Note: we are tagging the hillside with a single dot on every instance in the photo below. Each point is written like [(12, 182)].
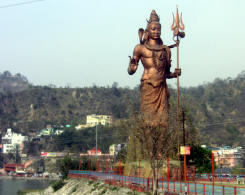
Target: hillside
[(33, 108), (216, 109)]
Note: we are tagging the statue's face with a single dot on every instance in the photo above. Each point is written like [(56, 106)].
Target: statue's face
[(154, 30)]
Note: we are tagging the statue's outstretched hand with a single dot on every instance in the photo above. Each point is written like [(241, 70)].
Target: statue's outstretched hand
[(132, 65), (131, 60)]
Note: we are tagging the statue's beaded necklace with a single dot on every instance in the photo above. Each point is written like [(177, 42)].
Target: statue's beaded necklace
[(157, 59)]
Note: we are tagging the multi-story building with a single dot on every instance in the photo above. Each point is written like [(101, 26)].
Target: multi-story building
[(228, 157), (11, 141), (93, 120)]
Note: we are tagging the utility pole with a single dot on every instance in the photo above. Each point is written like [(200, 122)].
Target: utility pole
[(183, 120), (17, 156), (96, 138), (184, 144)]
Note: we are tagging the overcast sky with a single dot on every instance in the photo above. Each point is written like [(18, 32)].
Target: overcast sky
[(82, 43)]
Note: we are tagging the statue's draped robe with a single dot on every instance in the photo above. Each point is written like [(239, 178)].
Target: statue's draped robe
[(154, 104)]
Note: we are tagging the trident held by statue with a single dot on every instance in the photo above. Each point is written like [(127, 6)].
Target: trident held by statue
[(176, 26)]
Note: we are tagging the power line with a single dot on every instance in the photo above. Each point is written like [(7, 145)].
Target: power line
[(229, 121), (20, 4), (85, 137)]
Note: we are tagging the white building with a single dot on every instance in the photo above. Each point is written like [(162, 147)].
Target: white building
[(11, 140), (94, 119)]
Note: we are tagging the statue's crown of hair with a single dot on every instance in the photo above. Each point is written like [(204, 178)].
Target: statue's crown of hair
[(154, 17)]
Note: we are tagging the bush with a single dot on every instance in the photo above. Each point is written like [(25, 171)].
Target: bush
[(66, 164), (57, 185), (20, 192)]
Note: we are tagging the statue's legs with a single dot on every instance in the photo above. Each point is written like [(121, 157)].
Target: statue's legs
[(155, 112), (154, 104)]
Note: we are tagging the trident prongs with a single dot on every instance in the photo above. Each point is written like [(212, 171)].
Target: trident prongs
[(172, 26), (177, 24)]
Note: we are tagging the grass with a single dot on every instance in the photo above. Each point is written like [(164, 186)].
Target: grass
[(90, 182), (132, 193), (114, 188), (74, 189), (100, 187), (95, 187), (103, 191)]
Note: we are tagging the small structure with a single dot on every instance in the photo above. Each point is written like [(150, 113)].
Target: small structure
[(58, 132), (13, 167), (112, 149), (52, 154), (50, 131), (240, 180), (45, 132), (93, 151), (115, 148)]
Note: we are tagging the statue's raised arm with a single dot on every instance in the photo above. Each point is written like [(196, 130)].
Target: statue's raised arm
[(133, 61)]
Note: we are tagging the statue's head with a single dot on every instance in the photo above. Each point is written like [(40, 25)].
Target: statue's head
[(153, 29)]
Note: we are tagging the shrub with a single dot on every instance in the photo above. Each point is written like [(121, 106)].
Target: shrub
[(57, 185)]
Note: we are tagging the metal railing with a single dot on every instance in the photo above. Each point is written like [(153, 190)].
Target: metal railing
[(145, 184)]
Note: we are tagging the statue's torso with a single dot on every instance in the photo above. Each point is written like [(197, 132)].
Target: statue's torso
[(154, 62)]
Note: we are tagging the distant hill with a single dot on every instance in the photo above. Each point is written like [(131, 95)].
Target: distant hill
[(217, 109)]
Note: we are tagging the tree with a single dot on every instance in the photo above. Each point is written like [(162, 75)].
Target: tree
[(122, 155), (67, 164), (157, 143), (6, 74), (201, 158), (32, 148), (17, 155)]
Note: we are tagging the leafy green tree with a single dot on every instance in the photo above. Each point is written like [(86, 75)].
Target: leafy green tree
[(201, 158), (122, 155)]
